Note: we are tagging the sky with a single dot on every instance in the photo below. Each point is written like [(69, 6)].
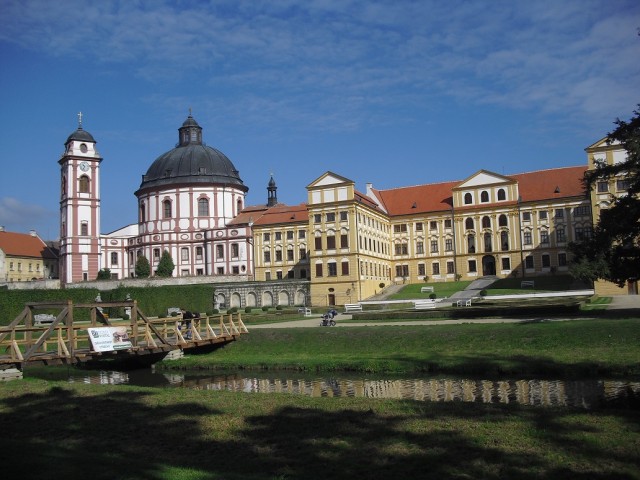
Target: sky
[(393, 93)]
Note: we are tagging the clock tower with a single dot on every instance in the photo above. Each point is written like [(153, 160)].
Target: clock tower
[(79, 208)]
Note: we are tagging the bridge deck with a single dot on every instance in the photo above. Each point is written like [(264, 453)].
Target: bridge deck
[(65, 341)]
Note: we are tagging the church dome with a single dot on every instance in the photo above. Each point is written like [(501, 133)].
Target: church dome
[(191, 162), (80, 135)]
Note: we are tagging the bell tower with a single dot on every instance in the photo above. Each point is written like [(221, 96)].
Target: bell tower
[(79, 207)]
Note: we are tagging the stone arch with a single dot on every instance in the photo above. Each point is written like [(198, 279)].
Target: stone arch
[(221, 300), (283, 298), (252, 300), (300, 298), (267, 299), (236, 300)]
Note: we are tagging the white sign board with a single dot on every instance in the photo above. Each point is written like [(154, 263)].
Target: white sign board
[(107, 339)]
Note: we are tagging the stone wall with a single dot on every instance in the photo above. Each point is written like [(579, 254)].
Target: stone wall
[(259, 294)]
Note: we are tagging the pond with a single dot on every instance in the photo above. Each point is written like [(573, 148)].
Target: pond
[(588, 394)]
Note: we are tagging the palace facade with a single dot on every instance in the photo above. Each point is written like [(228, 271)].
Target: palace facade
[(345, 245)]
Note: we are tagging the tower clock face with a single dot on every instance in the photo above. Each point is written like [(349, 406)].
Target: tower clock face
[(84, 166)]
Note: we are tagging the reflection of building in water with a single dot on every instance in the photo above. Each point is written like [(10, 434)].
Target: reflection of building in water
[(583, 394)]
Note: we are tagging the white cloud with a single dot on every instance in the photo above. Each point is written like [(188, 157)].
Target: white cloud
[(17, 216)]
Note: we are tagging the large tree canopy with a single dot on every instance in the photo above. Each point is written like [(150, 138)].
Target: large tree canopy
[(613, 252)]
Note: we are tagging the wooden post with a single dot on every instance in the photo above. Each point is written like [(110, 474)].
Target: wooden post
[(134, 323), (71, 337)]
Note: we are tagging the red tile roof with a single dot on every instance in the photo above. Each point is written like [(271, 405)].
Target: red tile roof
[(533, 186), (278, 214), (23, 245)]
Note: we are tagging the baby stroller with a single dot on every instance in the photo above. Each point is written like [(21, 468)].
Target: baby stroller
[(328, 319)]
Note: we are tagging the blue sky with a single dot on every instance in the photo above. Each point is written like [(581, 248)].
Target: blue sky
[(395, 93)]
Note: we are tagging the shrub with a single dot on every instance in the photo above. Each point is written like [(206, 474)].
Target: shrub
[(214, 311), (232, 310), (143, 269), (247, 309), (278, 307), (483, 293), (265, 308), (432, 296), (381, 285), (104, 274)]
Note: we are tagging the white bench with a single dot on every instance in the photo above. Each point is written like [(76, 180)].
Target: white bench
[(527, 284), (426, 289), (352, 307), (424, 304), (306, 311), (43, 319), (466, 303)]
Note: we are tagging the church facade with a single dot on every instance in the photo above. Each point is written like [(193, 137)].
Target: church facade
[(344, 244)]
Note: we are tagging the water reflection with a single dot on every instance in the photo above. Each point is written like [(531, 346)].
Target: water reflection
[(574, 393)]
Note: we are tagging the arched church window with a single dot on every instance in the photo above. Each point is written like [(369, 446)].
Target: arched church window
[(166, 209), (83, 186), (486, 222), (502, 194), (84, 229), (468, 199), (143, 212), (468, 224), (484, 196), (239, 206), (502, 220), (203, 207)]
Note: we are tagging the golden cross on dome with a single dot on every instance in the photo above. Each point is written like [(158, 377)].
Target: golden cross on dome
[(79, 119)]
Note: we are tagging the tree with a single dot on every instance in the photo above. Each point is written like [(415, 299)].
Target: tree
[(104, 274), (143, 269), (166, 265), (613, 252)]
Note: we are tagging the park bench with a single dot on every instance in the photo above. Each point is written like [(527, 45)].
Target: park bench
[(43, 319), (527, 284), (424, 304), (304, 310), (352, 307), (426, 289), (465, 303)]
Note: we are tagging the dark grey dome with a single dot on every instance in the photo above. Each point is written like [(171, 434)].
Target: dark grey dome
[(80, 135), (191, 162)]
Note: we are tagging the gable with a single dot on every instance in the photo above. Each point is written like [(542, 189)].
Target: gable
[(483, 178), (329, 179)]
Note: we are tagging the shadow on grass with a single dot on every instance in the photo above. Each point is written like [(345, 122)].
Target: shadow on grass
[(131, 434)]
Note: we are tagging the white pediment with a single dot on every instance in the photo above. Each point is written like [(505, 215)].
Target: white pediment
[(329, 179), (484, 178)]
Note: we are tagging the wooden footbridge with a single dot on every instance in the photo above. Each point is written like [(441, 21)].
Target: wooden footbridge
[(65, 340)]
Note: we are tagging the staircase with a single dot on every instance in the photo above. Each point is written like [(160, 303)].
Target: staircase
[(386, 293)]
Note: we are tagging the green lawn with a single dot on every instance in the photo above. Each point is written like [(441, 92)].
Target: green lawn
[(441, 289)]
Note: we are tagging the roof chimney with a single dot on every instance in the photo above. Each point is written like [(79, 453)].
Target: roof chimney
[(33, 233), (1, 228)]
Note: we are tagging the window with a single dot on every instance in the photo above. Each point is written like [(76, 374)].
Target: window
[(447, 223), (344, 216), (235, 250), (472, 266), (332, 269), (448, 244), (143, 212), (504, 241), (526, 216), (156, 254), (318, 269), (419, 248), (528, 262), (471, 244), (433, 225), (484, 197), (488, 247), (450, 267), (317, 218), (289, 234), (220, 252), (502, 221), (302, 234), (544, 236), (546, 261), (402, 270), (344, 241), (468, 224), (184, 254), (278, 255), (267, 256), (542, 215), (562, 259), (581, 211), (84, 229), (199, 254), (303, 273), (203, 207), (560, 236), (506, 263), (290, 254), (486, 222), (166, 209), (527, 237), (603, 187), (579, 233), (266, 237), (11, 266), (401, 249), (303, 253), (421, 269), (468, 199), (435, 268), (83, 184), (318, 243), (502, 194), (401, 228), (434, 246), (291, 274), (278, 236), (331, 217), (622, 185), (559, 213), (279, 274), (331, 242), (267, 276), (345, 267), (418, 226)]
